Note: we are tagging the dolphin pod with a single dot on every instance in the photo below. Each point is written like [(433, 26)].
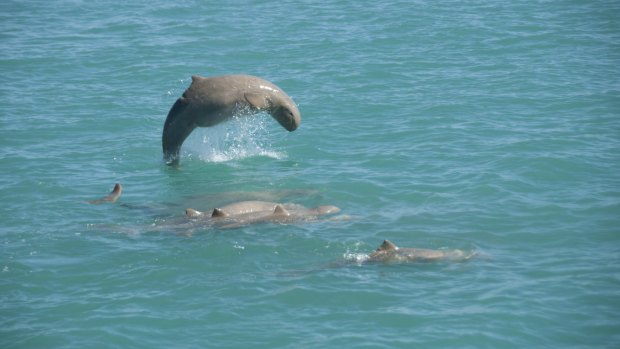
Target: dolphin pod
[(242, 213), (213, 100), (112, 197), (210, 101)]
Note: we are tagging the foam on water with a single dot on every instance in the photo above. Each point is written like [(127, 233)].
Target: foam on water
[(239, 138), (356, 258)]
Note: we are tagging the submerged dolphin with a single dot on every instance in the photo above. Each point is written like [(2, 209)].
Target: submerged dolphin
[(390, 253), (210, 101), (252, 212)]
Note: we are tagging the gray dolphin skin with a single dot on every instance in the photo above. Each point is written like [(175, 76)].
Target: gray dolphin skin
[(211, 100), (252, 212), (112, 197), (388, 252)]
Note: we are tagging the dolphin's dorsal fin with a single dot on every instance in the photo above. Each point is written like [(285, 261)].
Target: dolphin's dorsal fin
[(196, 78), (116, 192), (279, 210), (191, 213), (217, 212), (112, 197), (257, 100), (387, 245)]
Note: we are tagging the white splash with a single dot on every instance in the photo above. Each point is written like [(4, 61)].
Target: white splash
[(239, 138), (357, 258)]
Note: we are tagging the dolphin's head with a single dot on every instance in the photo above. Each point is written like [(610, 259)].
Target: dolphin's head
[(284, 110), (191, 213), (328, 209)]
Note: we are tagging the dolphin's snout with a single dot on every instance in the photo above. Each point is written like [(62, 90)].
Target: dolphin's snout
[(328, 209), (191, 213), (292, 125), (288, 118), (296, 122)]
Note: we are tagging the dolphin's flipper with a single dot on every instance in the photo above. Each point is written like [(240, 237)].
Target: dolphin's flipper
[(257, 100), (112, 197)]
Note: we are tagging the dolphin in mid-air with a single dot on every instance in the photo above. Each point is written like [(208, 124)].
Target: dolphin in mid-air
[(210, 101)]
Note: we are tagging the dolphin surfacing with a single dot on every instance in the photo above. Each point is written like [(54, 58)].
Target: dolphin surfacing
[(252, 212), (210, 101), (112, 197), (388, 252), (238, 214)]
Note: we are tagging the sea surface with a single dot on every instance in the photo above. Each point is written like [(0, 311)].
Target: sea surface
[(485, 126)]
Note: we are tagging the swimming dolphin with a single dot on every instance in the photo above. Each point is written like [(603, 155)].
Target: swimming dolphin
[(388, 252), (210, 101), (252, 212), (112, 197)]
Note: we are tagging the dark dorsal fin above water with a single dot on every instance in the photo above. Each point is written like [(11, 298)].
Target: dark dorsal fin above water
[(281, 211), (387, 245), (218, 213), (112, 197)]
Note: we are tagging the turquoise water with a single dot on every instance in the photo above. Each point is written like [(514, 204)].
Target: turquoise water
[(486, 126)]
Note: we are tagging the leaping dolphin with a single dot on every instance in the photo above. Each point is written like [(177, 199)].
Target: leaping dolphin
[(210, 101)]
